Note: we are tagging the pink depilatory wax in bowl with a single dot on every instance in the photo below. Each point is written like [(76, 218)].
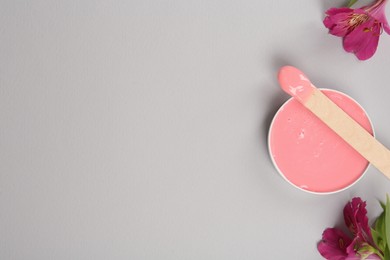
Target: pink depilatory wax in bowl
[(308, 154)]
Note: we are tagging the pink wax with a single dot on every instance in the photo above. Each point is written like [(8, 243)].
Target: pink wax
[(310, 155)]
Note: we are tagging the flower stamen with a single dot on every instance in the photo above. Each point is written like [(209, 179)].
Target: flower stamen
[(356, 20), (341, 243)]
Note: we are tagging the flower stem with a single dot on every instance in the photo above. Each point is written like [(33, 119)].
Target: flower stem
[(351, 3)]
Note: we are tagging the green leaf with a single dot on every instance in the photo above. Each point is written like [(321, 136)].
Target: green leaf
[(351, 3), (383, 205), (387, 254), (378, 239), (380, 231), (376, 236), (387, 220)]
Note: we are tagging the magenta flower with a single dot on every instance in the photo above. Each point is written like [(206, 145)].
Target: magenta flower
[(336, 245), (360, 27), (355, 218)]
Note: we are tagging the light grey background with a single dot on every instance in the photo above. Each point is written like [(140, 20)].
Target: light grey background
[(137, 129)]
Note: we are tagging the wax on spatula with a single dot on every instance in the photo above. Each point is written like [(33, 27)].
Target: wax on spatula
[(296, 84)]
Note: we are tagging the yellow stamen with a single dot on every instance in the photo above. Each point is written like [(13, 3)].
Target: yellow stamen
[(341, 243)]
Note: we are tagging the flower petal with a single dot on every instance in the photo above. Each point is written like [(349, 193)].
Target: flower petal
[(378, 13), (363, 41), (333, 244), (333, 10), (355, 213), (337, 21), (386, 27), (377, 10)]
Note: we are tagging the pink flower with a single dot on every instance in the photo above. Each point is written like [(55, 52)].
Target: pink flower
[(355, 218), (360, 28), (336, 245)]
